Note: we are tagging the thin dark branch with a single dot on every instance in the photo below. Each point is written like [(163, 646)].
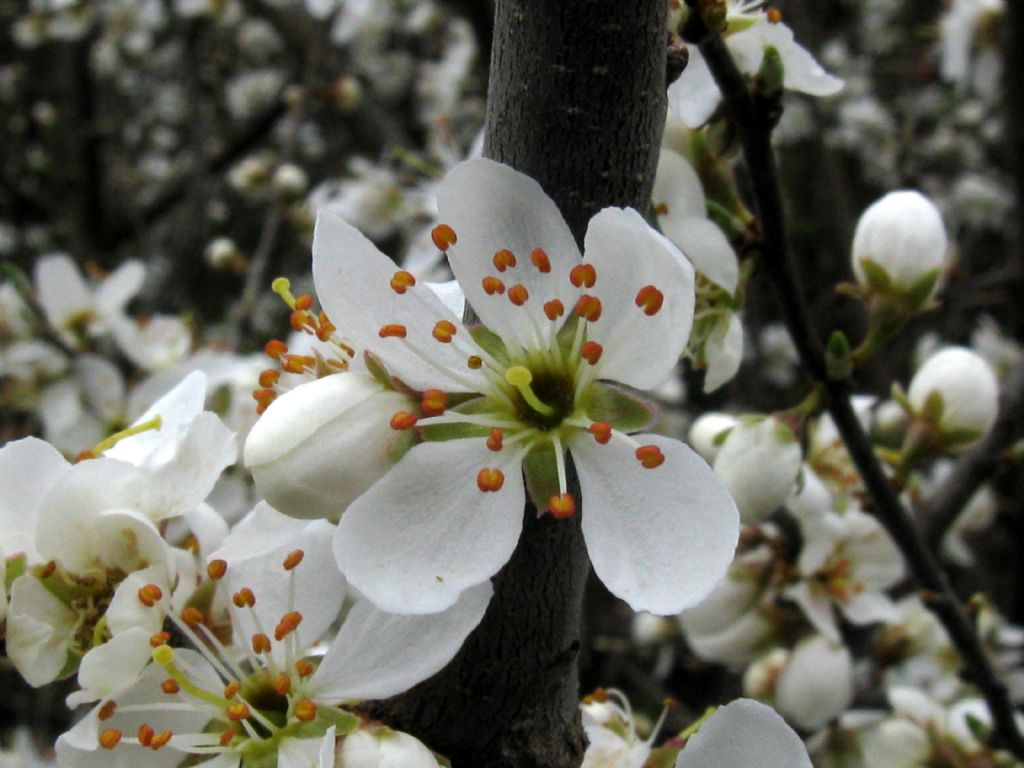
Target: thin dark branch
[(975, 467), (754, 118)]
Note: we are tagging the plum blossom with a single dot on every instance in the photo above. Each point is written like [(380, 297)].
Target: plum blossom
[(519, 392), (749, 30)]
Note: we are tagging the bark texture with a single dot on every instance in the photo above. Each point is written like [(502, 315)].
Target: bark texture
[(577, 101)]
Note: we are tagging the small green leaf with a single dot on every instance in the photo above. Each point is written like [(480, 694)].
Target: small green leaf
[(490, 341), (622, 410), (838, 362)]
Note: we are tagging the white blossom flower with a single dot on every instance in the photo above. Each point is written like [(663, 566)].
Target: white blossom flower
[(612, 740), (382, 748), (526, 387), (758, 462), (816, 684), (744, 734), (749, 31)]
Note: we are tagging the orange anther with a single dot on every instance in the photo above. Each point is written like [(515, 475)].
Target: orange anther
[(495, 439), (562, 506), (244, 598), (493, 285), (404, 420), (392, 330), (305, 710), (554, 309), (145, 735), (170, 686), (434, 402), (149, 594), (490, 480), (288, 624), (504, 259), (227, 737), (299, 319), (583, 276), (518, 294), (774, 15), (159, 638), (268, 378), (293, 559), (474, 362), (237, 711), (649, 299), (275, 348), (283, 685), (444, 331), (591, 352), (602, 431), (231, 689), (443, 236), (192, 616), (264, 397), (260, 643), (304, 302), (48, 569), (110, 738), (540, 260), (589, 308), (107, 710), (304, 668), (216, 569), (298, 363), (402, 281), (650, 456), (160, 740)]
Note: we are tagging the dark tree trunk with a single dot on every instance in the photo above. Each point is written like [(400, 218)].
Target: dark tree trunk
[(577, 101)]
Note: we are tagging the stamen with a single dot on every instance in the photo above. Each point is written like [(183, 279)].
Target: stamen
[(304, 668), (304, 302), (649, 299), (238, 711), (650, 456), (260, 643), (444, 331), (192, 616), (518, 294), (434, 402), (159, 638), (554, 309), (305, 710), (283, 685), (216, 569), (583, 276), (602, 431), (269, 378), (443, 236), (591, 352), (402, 281), (474, 362), (540, 260), (110, 738), (288, 624), (170, 686), (589, 308), (562, 506), (774, 15), (504, 259), (149, 594), (244, 598), (392, 330), (275, 348), (493, 285), (164, 656), (494, 440), (520, 378), (231, 689), (107, 710), (404, 420), (227, 737), (160, 740), (145, 734), (293, 559), (490, 480)]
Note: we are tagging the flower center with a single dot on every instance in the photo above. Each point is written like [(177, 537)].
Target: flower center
[(543, 399)]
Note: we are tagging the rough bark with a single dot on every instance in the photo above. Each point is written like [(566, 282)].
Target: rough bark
[(577, 101)]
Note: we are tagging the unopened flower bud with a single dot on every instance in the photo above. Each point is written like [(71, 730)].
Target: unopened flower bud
[(899, 247), (956, 390), (289, 180), (708, 432), (382, 748), (758, 463)]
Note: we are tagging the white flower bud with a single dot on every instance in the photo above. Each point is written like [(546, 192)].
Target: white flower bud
[(221, 253), (758, 464), (761, 677), (966, 387), (705, 431), (320, 445), (817, 683), (289, 180), (382, 749), (902, 237)]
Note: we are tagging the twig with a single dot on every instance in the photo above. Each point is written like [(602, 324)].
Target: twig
[(754, 118), (975, 467)]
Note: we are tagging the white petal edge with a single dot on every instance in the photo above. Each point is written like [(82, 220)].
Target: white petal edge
[(744, 734)]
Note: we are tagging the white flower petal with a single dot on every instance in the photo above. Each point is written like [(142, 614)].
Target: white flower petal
[(723, 352), (120, 287), (817, 683), (493, 207), (426, 532), (108, 669), (817, 608), (353, 282), (378, 654), (307, 753), (628, 255), (658, 538), (61, 290), (694, 96), (744, 734), (39, 631), (678, 193), (29, 468)]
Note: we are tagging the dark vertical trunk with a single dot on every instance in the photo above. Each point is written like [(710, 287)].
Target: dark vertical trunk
[(577, 101)]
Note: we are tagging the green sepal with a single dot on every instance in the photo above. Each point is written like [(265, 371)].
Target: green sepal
[(541, 474), (13, 568), (877, 277), (957, 438), (490, 342), (838, 362), (981, 732), (442, 432), (917, 295), (344, 723), (663, 757), (624, 411), (401, 446), (771, 75), (719, 439), (377, 370), (933, 407)]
